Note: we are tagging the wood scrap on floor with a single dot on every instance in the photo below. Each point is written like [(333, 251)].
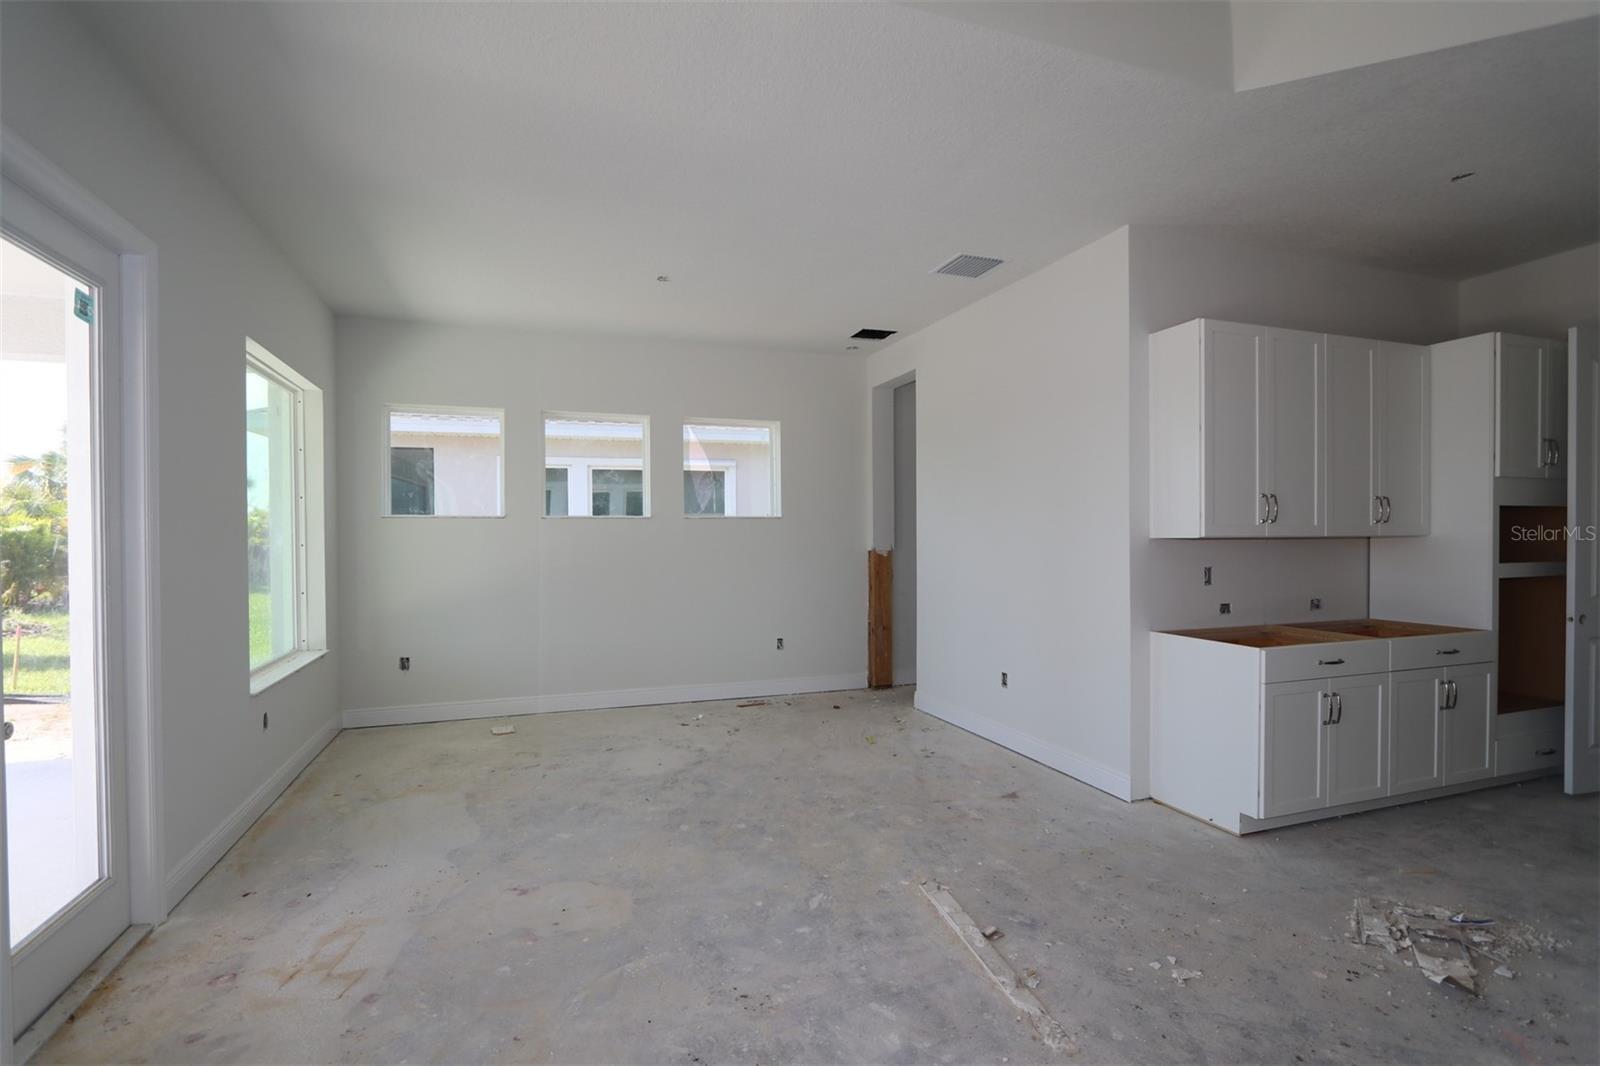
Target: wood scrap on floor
[(502, 730), (1017, 991)]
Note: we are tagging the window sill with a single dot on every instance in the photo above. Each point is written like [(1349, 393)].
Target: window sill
[(273, 672)]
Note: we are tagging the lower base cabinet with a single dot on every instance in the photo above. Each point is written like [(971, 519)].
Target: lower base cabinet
[(1232, 747)]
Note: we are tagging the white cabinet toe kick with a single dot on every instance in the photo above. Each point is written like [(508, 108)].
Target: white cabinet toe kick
[(1254, 728)]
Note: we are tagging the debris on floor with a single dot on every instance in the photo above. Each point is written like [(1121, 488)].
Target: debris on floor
[(1183, 976), (992, 933), (1447, 946), (1018, 991), (753, 703), (502, 730)]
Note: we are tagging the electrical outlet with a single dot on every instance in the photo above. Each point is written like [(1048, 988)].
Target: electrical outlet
[(1226, 608), (1208, 576), (405, 662), (1005, 679), (1316, 603), (780, 643)]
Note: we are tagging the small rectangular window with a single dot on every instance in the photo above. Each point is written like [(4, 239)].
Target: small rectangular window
[(730, 469), (446, 461), (596, 466)]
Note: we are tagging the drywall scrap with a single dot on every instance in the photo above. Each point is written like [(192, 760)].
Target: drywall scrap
[(1448, 946), (1020, 994)]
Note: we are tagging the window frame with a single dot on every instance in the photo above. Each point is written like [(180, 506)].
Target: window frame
[(309, 520), (729, 468), (775, 426), (386, 501), (588, 465)]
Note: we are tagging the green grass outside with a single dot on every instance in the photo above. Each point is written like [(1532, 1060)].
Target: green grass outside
[(260, 628), (44, 668)]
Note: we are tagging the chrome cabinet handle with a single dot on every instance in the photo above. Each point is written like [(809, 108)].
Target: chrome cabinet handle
[(1555, 452), (1330, 662), (1328, 719), (1547, 751), (1377, 511), (1444, 695), (1264, 512), (1454, 695), (1338, 704), (1274, 497), (1448, 651), (1388, 510)]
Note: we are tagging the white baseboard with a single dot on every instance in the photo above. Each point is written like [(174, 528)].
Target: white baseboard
[(1070, 763), (412, 714), (210, 851)]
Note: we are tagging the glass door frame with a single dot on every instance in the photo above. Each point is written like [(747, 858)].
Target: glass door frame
[(42, 201)]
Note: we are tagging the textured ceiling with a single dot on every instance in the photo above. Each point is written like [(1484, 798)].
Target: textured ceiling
[(798, 169)]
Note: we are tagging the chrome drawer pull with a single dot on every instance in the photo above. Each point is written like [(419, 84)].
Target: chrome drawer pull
[(1330, 662), (1448, 651), (1547, 751)]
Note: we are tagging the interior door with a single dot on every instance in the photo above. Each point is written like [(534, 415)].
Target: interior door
[(1358, 739), (1293, 764), (1233, 377), (1403, 441), (66, 840), (1468, 732), (1519, 402), (1292, 432), (1353, 447), (1416, 742), (1583, 573)]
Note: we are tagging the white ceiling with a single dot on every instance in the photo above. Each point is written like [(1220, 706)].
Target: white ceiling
[(798, 169)]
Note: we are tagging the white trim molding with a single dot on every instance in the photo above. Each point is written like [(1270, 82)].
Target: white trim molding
[(411, 714), (1092, 773), (206, 854)]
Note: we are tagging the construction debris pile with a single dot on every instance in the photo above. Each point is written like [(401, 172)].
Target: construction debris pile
[(1447, 946)]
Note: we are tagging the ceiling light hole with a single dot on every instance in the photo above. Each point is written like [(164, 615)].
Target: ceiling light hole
[(873, 334)]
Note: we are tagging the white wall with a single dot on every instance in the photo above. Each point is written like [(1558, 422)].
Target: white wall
[(903, 612), (219, 280), (1180, 274), (1540, 298), (1022, 513), (552, 613)]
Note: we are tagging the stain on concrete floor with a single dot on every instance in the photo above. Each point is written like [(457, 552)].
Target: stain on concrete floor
[(714, 883)]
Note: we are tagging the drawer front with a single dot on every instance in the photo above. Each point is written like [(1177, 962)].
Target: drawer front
[(1446, 649), (1529, 751), (1335, 659)]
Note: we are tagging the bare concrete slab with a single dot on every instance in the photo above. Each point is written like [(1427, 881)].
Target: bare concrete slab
[(716, 883)]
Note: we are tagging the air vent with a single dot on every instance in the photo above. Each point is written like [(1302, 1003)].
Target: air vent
[(969, 266), (873, 334)]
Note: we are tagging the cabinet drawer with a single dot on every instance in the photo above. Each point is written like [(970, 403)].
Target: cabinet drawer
[(1529, 751), (1442, 649), (1334, 659)]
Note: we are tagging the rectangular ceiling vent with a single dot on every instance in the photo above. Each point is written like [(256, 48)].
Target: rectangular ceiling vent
[(969, 266), (873, 334)]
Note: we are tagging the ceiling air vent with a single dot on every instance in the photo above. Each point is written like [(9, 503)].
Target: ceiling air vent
[(969, 266), (873, 334)]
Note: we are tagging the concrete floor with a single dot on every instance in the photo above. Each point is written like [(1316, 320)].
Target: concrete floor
[(711, 883)]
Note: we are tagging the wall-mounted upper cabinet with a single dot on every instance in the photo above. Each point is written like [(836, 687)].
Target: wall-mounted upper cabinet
[(1262, 432), (1378, 429), (1530, 406)]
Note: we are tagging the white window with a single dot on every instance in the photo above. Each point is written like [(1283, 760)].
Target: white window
[(285, 548), (445, 461), (730, 469), (596, 466)]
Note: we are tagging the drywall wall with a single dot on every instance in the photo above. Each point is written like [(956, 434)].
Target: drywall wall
[(218, 281), (1541, 298), (1179, 274), (526, 613), (1022, 513), (1278, 42), (904, 611)]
